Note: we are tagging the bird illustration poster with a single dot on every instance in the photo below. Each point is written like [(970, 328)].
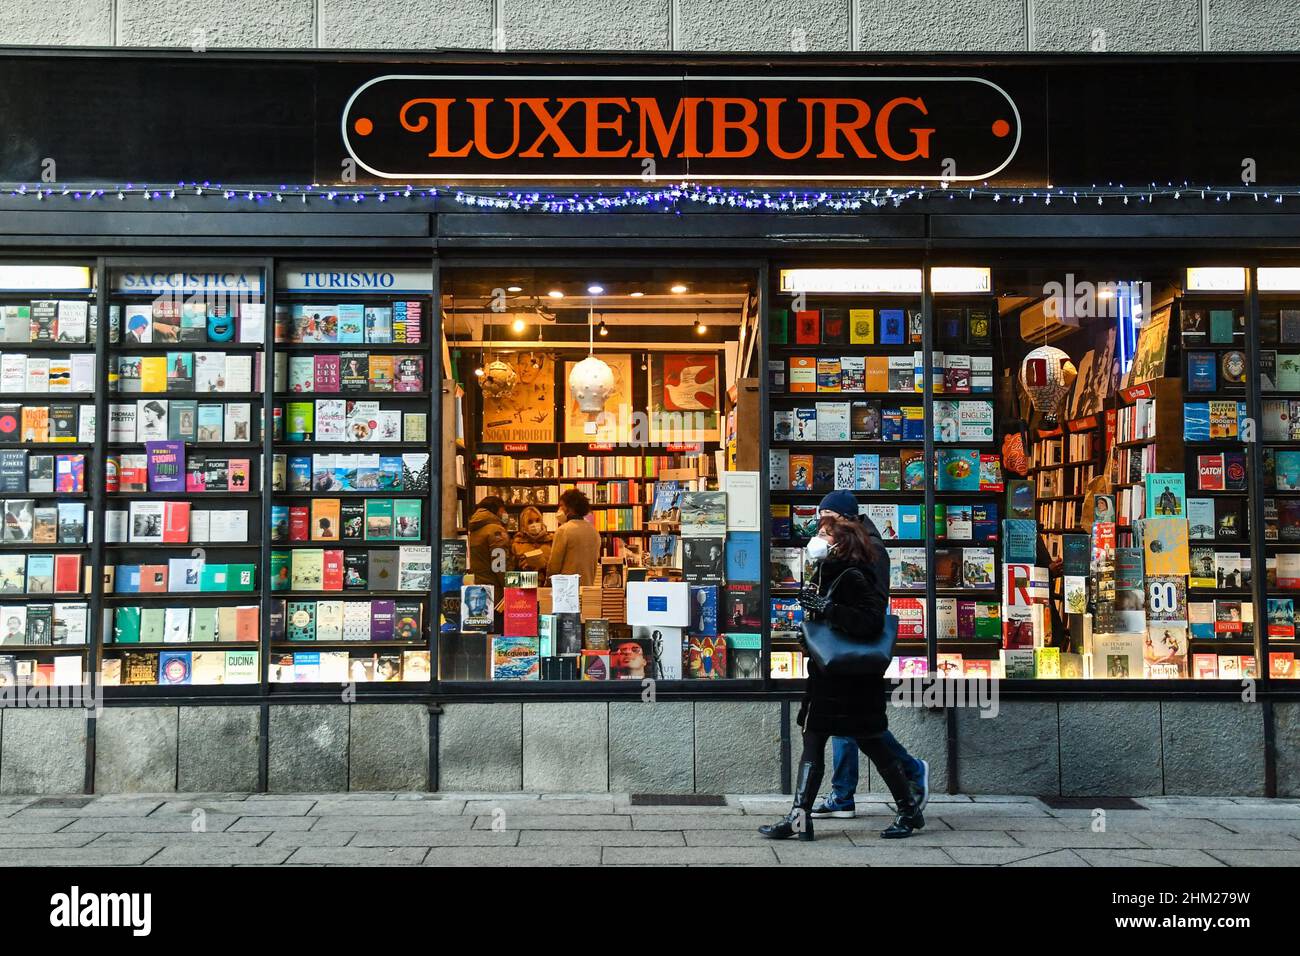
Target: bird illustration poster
[(526, 413), (684, 397), (615, 422)]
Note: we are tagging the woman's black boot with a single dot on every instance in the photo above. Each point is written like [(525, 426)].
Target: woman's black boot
[(909, 789), (799, 820)]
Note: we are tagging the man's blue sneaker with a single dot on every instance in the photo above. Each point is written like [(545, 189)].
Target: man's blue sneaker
[(830, 807)]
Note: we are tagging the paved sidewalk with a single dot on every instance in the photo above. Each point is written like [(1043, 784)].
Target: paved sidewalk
[(459, 829)]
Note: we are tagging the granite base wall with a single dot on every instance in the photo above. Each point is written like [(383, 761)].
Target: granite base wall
[(1069, 748)]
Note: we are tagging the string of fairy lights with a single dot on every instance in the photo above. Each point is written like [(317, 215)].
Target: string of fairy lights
[(675, 198)]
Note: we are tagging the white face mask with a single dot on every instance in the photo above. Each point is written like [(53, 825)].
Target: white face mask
[(818, 548)]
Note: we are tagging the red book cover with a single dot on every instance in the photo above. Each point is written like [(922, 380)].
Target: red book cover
[(520, 612), (326, 377), (332, 571), (111, 483), (246, 623), (153, 578), (195, 476), (1209, 473), (176, 522), (237, 477), (67, 573), (1281, 664), (299, 523), (807, 327), (410, 375), (132, 476)]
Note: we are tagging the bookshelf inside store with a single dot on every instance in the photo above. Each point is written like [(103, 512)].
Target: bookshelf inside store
[(352, 493), (49, 324)]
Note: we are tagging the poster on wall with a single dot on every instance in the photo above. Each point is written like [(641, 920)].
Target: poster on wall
[(684, 397), (1149, 362), (614, 423), (1094, 381), (527, 412)]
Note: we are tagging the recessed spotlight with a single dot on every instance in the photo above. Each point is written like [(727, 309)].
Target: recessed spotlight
[(556, 294), (519, 325), (600, 329), (679, 288), (595, 288), (637, 295), (514, 288)]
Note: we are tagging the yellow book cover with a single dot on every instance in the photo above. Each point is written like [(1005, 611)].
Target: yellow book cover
[(153, 373), (877, 373), (862, 326), (1164, 541)]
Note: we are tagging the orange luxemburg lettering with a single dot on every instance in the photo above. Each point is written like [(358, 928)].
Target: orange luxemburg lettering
[(722, 125), (835, 126), (653, 119), (595, 124), (772, 107), (550, 127), (441, 108), (883, 139), (481, 104)]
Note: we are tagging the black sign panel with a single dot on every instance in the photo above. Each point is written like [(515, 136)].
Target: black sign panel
[(834, 128)]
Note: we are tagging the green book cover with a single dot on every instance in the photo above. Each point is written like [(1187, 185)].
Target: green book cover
[(988, 620), (126, 625), (406, 519), (379, 519), (212, 577), (203, 625), (280, 561), (301, 617), (240, 577), (299, 418), (1222, 325), (153, 624), (182, 420), (778, 327)]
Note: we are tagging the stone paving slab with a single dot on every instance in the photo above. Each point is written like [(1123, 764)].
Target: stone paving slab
[(586, 829)]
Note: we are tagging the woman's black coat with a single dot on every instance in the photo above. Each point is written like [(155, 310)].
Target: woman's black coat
[(851, 706)]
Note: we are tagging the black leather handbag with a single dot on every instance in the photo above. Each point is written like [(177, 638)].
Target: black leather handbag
[(835, 652)]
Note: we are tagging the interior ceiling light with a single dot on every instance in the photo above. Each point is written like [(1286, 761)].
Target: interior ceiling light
[(679, 288), (699, 326), (519, 325), (556, 294), (601, 330), (637, 295), (595, 288), (514, 288)]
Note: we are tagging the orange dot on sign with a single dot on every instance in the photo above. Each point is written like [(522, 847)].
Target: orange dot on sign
[(365, 127), (1001, 128)]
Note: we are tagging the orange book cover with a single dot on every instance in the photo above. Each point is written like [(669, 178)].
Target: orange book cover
[(877, 373), (246, 623), (325, 519), (153, 578), (803, 373)]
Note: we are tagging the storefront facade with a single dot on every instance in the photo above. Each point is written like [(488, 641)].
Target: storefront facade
[(477, 224)]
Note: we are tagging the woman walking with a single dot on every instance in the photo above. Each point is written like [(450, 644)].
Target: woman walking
[(851, 706)]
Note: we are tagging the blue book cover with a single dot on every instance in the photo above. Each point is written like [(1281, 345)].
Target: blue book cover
[(299, 474), (279, 522), (913, 426), (390, 473), (891, 424), (893, 326), (786, 614), (352, 323), (909, 522), (704, 609), (126, 579), (1286, 470), (744, 556), (1020, 540), (1196, 421), (959, 469), (174, 667), (1202, 373), (984, 521), (781, 524)]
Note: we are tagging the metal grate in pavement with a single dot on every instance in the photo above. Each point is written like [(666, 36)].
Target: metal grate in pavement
[(678, 800), (60, 803), (1092, 803)]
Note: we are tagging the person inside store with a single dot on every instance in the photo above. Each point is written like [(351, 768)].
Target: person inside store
[(851, 706), (530, 549), (489, 545), (576, 548)]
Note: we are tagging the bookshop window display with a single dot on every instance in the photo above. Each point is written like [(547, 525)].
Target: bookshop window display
[(1094, 479), (601, 520)]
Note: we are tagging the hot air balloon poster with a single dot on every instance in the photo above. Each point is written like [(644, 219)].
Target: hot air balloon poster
[(684, 397)]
